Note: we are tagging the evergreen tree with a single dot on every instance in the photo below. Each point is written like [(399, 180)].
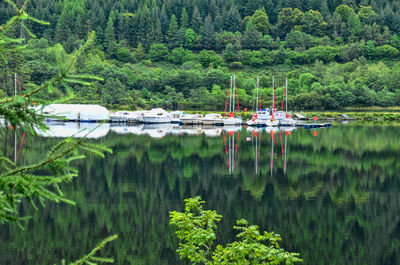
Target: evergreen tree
[(171, 34), (207, 34), (233, 20), (109, 34), (252, 37), (164, 21), (184, 19), (196, 20)]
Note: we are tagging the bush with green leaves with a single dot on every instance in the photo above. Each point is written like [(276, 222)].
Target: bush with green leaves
[(195, 227)]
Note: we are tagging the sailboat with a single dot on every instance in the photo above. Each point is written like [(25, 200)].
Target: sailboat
[(282, 117), (231, 120), (262, 117)]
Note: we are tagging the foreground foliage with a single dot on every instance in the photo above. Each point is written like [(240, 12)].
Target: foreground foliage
[(38, 182), (196, 229)]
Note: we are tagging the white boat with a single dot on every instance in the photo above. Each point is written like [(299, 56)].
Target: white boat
[(176, 116), (192, 119), (213, 119), (231, 120), (157, 115), (75, 112), (126, 116)]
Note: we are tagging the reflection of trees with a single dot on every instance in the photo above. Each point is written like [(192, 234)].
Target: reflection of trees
[(337, 204)]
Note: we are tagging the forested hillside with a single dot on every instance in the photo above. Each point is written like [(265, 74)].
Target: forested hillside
[(180, 53)]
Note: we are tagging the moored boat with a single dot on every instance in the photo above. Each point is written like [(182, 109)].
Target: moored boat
[(213, 119), (192, 119), (157, 115), (126, 116)]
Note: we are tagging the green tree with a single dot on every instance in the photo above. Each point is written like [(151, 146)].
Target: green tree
[(158, 52), (184, 19), (252, 37), (196, 230), (196, 20), (207, 34), (314, 23), (366, 12), (172, 30), (190, 38), (109, 34), (261, 21), (344, 11)]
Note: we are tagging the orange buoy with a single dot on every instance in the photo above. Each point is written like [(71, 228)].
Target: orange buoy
[(315, 133)]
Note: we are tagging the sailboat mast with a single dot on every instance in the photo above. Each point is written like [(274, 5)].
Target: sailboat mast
[(233, 93), (230, 100), (273, 94), (258, 88), (286, 94)]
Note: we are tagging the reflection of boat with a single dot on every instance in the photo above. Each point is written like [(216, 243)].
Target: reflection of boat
[(137, 129), (213, 119), (232, 129), (231, 120), (191, 130), (212, 132), (126, 116), (192, 119), (157, 130), (157, 116), (77, 130)]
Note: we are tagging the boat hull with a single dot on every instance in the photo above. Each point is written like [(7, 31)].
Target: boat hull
[(232, 122), (153, 120), (191, 121)]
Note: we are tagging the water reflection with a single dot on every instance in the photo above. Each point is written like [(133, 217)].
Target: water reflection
[(335, 198)]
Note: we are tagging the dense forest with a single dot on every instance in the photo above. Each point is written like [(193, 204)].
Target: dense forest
[(179, 54)]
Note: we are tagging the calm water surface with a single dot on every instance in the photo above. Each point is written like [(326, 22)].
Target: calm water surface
[(334, 197)]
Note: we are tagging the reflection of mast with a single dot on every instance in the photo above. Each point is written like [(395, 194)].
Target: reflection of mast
[(284, 164), (15, 129), (255, 142), (231, 150), (272, 150)]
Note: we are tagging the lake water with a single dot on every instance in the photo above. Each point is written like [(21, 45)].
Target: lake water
[(333, 197)]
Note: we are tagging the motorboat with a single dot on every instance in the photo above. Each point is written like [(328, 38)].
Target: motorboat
[(232, 121), (213, 119), (127, 116), (192, 119), (157, 115), (176, 116)]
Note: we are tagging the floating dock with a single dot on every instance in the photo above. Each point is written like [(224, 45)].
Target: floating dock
[(314, 126)]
